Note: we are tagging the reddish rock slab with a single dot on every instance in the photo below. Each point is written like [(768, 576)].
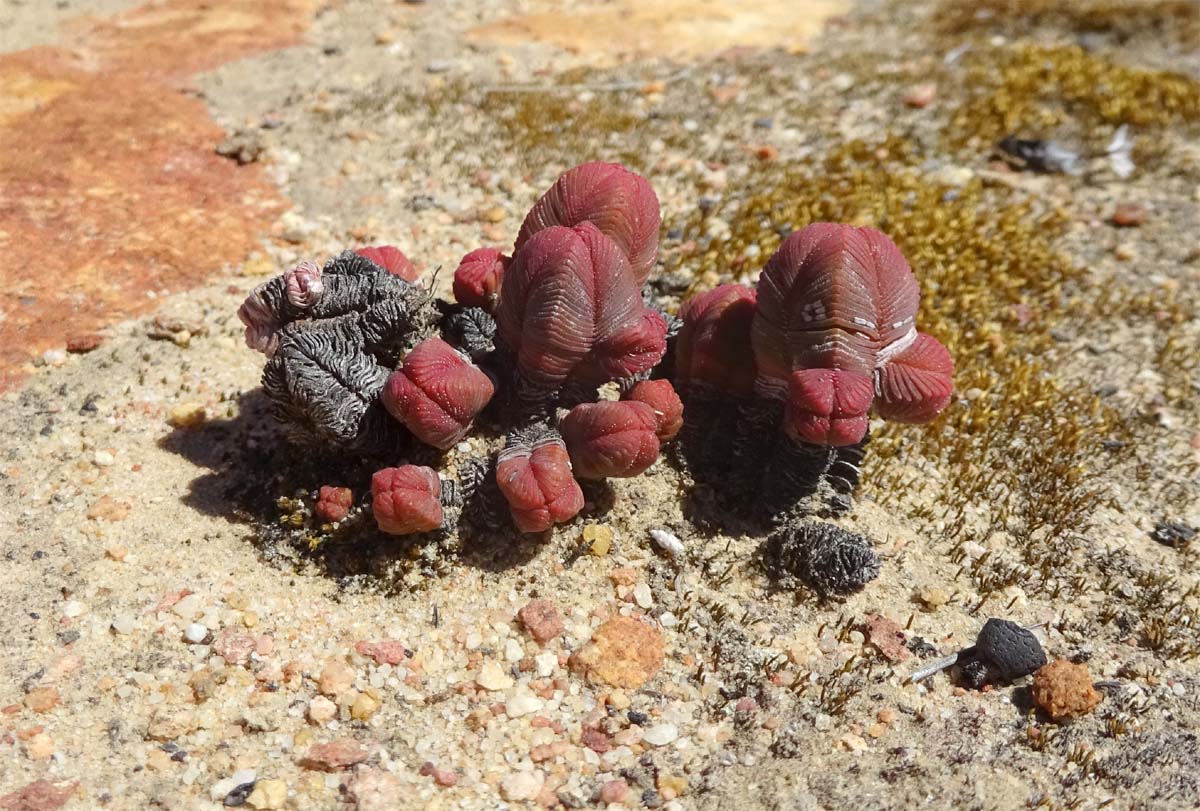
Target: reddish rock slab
[(110, 185)]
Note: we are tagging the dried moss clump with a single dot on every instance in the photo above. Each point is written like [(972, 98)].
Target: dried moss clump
[(1173, 20), (1064, 91), (1017, 453)]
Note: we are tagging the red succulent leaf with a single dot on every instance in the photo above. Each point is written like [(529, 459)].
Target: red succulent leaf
[(831, 297), (477, 280), (538, 485), (713, 347), (570, 307), (617, 201), (406, 499), (661, 397), (392, 260), (915, 383), (333, 503), (610, 438), (828, 406), (436, 393)]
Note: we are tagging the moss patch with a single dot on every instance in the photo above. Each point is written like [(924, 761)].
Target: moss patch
[(1063, 91), (1175, 20)]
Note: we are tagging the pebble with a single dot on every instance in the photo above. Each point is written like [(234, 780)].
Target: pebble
[(73, 609), (933, 597), (546, 663), (492, 677), (614, 791), (661, 734), (623, 652), (42, 699), (642, 596), (1129, 215), (667, 542), (81, 344), (124, 624), (519, 786), (364, 706), (268, 794), (599, 539), (195, 633), (336, 678), (438, 66), (335, 756), (220, 789), (187, 415), (54, 357), (921, 95), (523, 703), (103, 459), (541, 620), (321, 710)]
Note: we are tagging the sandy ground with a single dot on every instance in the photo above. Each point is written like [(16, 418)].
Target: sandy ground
[(160, 648)]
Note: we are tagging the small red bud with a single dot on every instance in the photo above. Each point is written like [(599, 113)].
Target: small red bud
[(406, 499)]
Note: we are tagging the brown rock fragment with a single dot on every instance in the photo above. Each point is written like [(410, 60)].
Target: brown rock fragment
[(623, 652), (82, 344), (40, 795), (42, 699), (234, 647), (1129, 215), (1063, 690), (887, 636), (921, 95), (387, 652), (335, 756), (541, 620)]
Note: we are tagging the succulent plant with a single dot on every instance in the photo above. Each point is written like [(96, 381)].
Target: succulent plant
[(835, 323), (571, 309), (768, 389), (619, 203), (660, 395), (713, 348), (534, 474), (407, 499), (437, 393), (477, 279), (392, 260), (825, 557), (333, 503), (611, 438)]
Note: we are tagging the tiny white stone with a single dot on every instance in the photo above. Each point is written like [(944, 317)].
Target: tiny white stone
[(492, 677), (521, 785), (642, 596), (513, 652), (521, 703), (668, 542), (188, 607), (123, 623), (103, 458), (195, 633), (668, 620), (74, 608), (546, 663), (54, 357), (661, 734)]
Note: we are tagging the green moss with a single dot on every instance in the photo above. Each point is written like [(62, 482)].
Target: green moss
[(1063, 91)]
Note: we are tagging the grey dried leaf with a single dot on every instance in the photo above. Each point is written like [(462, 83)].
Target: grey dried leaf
[(326, 388), (827, 558)]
